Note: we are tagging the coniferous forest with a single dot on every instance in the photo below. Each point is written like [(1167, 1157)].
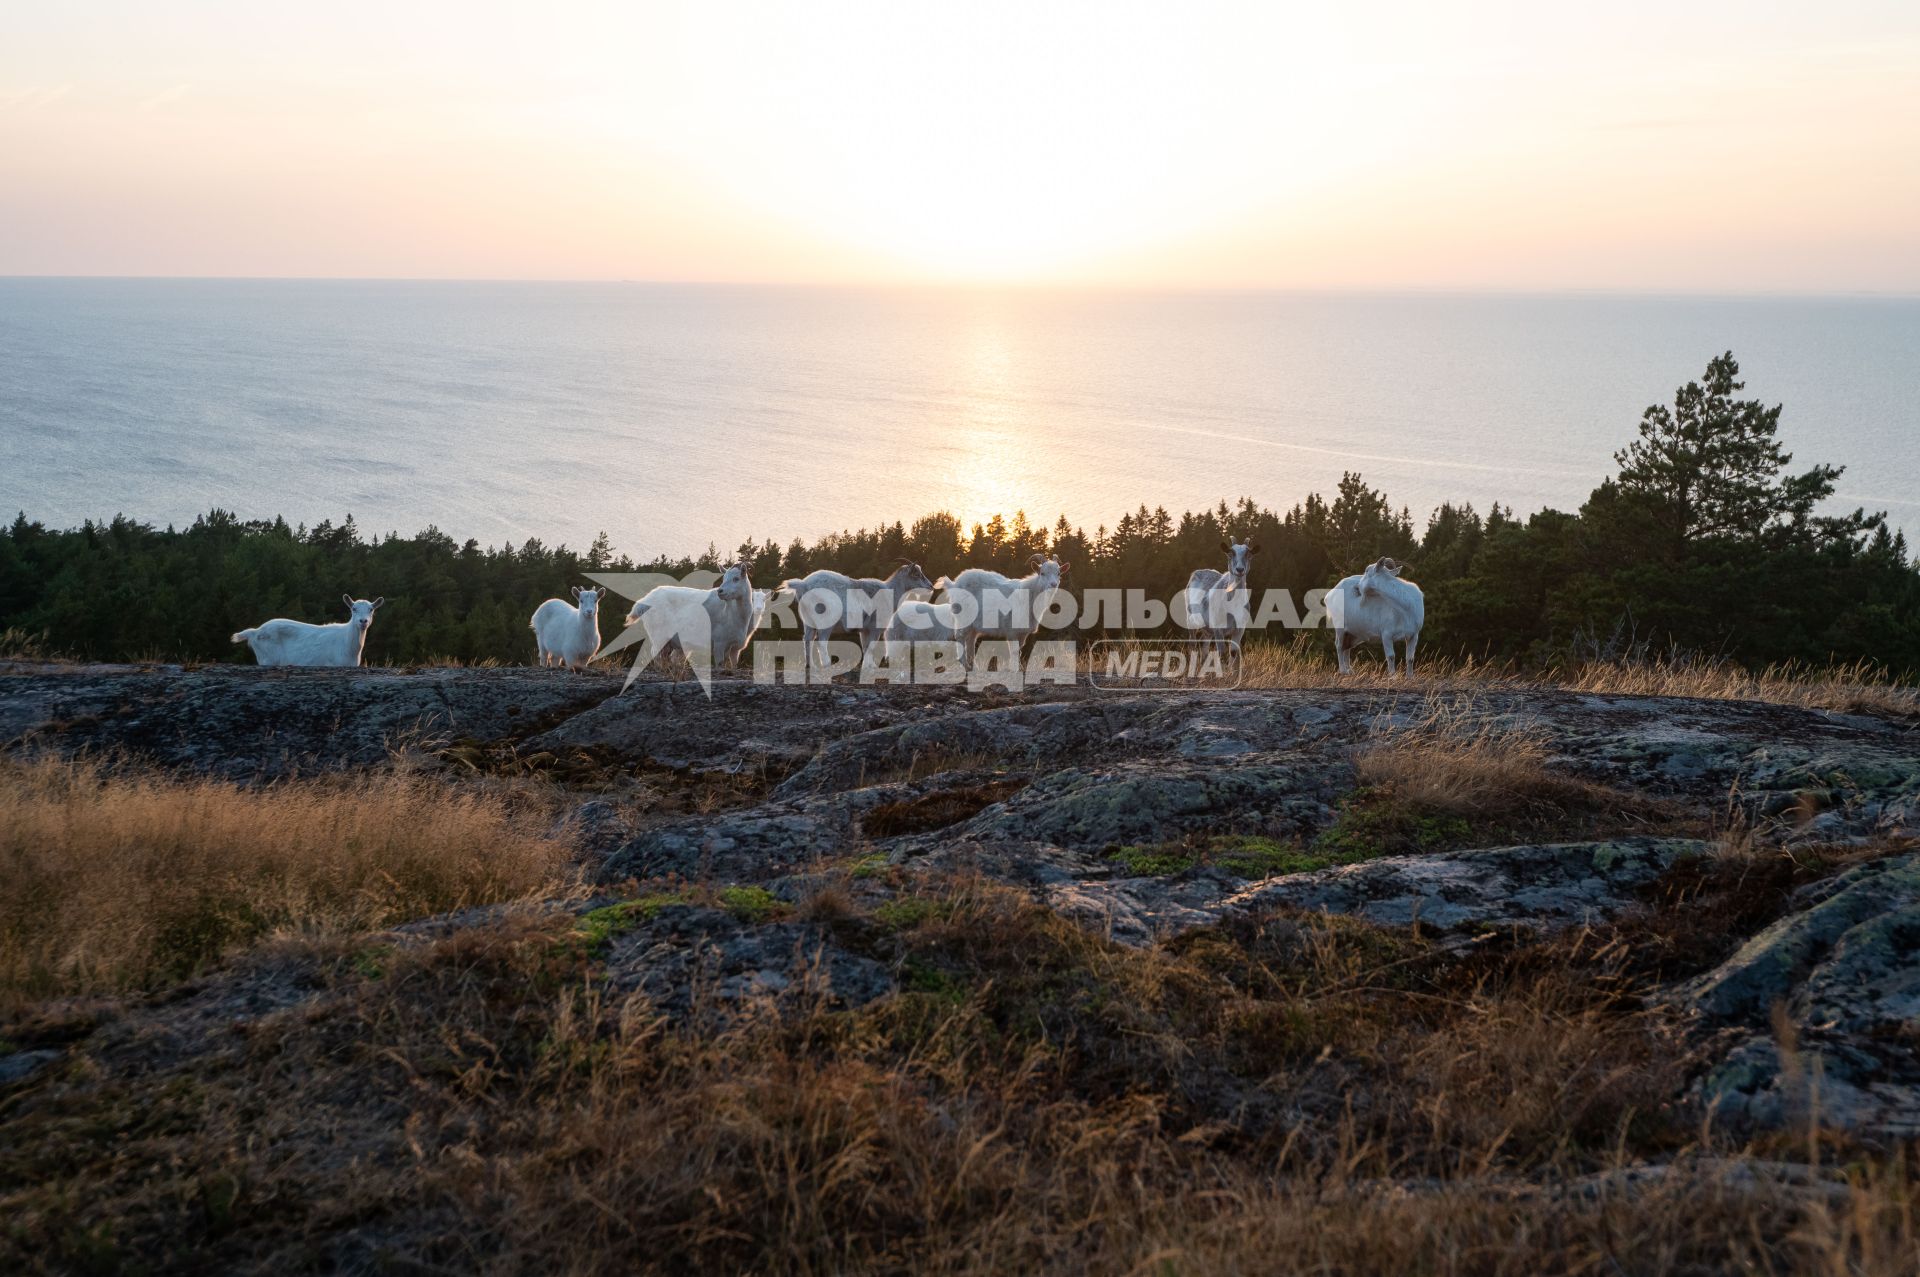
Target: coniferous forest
[(1704, 543)]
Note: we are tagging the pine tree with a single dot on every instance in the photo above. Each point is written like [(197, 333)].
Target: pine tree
[(601, 552), (1711, 466)]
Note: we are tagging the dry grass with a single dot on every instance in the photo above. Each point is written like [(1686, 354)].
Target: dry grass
[(120, 878), (462, 663), (1304, 1095), (1284, 1094), (17, 644), (1857, 688), (1457, 776), (1457, 761)]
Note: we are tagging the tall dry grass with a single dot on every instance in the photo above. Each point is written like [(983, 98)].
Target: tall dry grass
[(1458, 760), (1308, 661), (1308, 1095), (117, 878), (1860, 687)]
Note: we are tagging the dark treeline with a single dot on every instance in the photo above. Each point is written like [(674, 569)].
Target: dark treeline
[(1703, 542)]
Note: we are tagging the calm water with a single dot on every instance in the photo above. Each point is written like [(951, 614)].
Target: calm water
[(676, 416)]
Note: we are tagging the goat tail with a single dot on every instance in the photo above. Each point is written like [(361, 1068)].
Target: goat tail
[(244, 636)]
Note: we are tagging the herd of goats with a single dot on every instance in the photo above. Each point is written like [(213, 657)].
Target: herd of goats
[(712, 626)]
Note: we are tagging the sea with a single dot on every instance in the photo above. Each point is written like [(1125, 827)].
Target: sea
[(676, 417)]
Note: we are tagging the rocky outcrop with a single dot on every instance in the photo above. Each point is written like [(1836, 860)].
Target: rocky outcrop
[(774, 838), (1551, 885), (1826, 1008), (1281, 794), (1466, 894), (260, 723), (1066, 793), (18, 1066), (689, 959), (1839, 775)]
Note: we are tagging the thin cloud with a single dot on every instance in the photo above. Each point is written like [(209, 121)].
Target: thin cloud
[(33, 98)]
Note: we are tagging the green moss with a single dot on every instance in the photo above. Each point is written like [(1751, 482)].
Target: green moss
[(751, 904), (920, 977), (906, 912), (870, 866), (1372, 824), (1609, 854), (1257, 856), (1252, 856), (597, 928), (1155, 862)]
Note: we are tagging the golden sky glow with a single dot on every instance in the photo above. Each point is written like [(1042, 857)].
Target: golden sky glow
[(1710, 146)]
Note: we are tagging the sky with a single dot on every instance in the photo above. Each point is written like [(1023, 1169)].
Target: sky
[(1478, 144)]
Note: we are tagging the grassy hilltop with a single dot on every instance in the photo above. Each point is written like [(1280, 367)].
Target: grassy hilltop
[(495, 970)]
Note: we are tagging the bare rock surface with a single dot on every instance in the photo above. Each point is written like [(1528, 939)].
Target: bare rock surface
[(1048, 791), (691, 960), (1850, 773), (1550, 885), (1827, 1004), (250, 723)]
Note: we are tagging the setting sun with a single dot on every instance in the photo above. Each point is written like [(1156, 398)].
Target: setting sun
[(1020, 636)]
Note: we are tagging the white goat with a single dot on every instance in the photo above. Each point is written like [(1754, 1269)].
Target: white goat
[(284, 642), (565, 634), (920, 621), (988, 605), (1217, 602), (714, 623), (756, 613), (1376, 605), (832, 603)]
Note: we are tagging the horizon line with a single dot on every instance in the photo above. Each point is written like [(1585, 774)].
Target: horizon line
[(1372, 290)]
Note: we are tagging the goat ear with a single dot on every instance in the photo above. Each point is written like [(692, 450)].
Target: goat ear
[(348, 600), (576, 591), (1253, 547), (1064, 565), (377, 602), (1226, 547)]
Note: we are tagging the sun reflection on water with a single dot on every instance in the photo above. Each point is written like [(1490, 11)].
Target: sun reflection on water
[(992, 452)]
